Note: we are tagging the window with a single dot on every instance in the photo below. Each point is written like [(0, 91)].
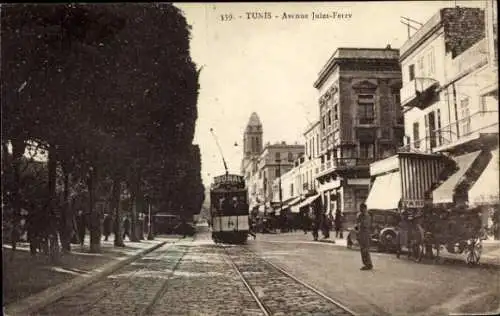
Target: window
[(366, 150), (366, 105), (335, 112), (439, 134), (430, 62), (411, 72), (465, 121), (420, 67), (291, 189), (258, 144), (277, 156), (430, 129), (323, 122), (290, 157), (329, 115), (416, 136), (277, 172)]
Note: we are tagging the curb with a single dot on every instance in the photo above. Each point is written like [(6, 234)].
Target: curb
[(37, 301)]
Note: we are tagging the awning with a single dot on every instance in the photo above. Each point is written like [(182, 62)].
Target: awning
[(329, 186), (293, 201), (385, 192), (444, 193), (486, 188), (308, 201)]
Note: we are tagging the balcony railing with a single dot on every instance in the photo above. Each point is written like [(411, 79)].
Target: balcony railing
[(418, 92), (363, 121), (353, 162), (447, 136)]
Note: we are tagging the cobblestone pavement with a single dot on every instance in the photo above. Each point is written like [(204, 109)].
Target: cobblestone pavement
[(206, 284), (128, 291), (280, 294), (186, 278)]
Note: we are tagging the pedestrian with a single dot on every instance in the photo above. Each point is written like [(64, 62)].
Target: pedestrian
[(126, 228), (81, 226), (107, 223), (314, 218), (338, 225), (363, 223), (325, 226)]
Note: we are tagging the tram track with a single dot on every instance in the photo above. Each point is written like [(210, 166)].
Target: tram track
[(150, 307), (276, 291)]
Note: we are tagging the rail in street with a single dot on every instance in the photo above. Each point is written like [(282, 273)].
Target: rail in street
[(278, 292)]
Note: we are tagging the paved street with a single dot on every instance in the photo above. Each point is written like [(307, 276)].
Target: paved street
[(193, 276), (395, 286)]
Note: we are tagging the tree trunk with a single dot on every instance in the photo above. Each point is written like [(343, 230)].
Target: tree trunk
[(66, 224), (51, 205), (115, 205), (94, 220), (18, 148), (133, 206)]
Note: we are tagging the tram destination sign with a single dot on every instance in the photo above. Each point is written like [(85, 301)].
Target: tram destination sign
[(231, 179)]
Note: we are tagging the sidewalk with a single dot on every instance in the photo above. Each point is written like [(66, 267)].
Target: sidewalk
[(31, 282), (490, 254)]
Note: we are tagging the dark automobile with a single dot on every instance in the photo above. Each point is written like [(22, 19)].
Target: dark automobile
[(384, 230), (185, 229)]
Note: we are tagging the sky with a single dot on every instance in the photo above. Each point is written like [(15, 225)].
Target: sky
[(268, 66)]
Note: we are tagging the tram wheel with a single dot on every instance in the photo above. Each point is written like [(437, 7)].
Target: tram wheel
[(473, 251)]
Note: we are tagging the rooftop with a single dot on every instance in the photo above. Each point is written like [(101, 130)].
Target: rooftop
[(346, 53)]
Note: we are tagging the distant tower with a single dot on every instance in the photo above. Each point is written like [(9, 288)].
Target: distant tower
[(252, 141)]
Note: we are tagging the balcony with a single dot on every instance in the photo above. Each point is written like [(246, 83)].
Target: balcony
[(366, 122), (419, 92), (469, 128), (346, 163)]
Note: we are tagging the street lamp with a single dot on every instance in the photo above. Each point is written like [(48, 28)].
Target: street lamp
[(279, 186)]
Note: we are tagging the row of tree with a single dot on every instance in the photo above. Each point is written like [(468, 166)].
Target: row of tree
[(109, 94)]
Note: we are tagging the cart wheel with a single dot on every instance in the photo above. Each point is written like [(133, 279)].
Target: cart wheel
[(473, 251)]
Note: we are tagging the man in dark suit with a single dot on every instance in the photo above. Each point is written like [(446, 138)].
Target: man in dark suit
[(363, 223)]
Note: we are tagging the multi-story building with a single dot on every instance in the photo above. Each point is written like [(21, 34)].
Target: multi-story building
[(261, 165), (299, 185), (450, 102), (360, 122), (275, 160)]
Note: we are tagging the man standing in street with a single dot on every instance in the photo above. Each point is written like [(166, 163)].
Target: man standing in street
[(126, 228), (363, 222)]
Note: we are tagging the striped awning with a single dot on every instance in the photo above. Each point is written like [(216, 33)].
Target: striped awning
[(486, 189), (445, 192), (385, 192)]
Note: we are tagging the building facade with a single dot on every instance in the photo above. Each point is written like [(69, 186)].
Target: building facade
[(275, 160), (299, 185), (450, 102), (360, 122)]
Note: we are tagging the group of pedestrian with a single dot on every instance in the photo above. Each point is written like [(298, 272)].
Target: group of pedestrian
[(318, 221), (82, 224)]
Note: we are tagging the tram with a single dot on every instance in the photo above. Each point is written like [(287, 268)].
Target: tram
[(229, 212)]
